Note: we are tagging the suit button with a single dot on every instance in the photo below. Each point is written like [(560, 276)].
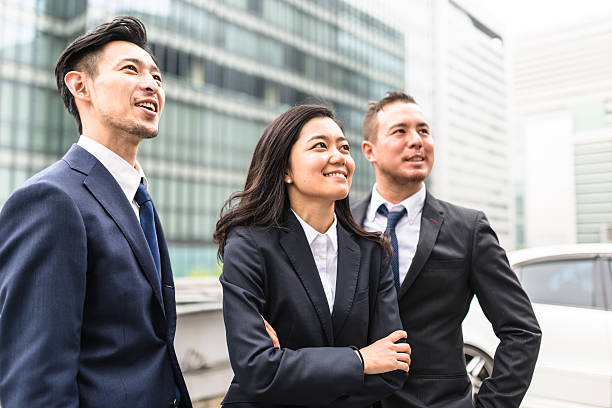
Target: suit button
[(173, 404)]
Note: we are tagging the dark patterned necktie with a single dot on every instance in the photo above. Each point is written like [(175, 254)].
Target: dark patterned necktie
[(393, 218), (147, 222)]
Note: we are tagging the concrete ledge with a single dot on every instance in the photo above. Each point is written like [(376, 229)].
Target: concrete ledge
[(200, 340)]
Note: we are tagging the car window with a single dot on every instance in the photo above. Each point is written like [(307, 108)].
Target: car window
[(570, 283)]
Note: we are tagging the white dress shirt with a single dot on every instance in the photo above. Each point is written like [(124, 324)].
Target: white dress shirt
[(324, 249), (407, 228), (127, 176)]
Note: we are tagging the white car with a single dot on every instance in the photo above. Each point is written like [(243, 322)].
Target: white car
[(570, 288)]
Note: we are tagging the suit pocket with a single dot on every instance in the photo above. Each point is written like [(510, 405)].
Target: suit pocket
[(456, 263)]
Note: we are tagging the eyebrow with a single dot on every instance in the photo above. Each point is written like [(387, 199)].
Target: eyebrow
[(152, 67), (325, 137), (404, 124)]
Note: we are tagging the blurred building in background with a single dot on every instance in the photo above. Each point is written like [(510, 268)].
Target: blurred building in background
[(458, 70), (563, 99), (470, 70), (230, 66)]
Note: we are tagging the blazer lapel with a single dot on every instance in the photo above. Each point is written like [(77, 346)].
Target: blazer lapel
[(167, 278), (107, 192), (431, 221), (349, 256), (293, 241)]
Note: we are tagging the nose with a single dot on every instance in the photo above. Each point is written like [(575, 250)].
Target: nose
[(150, 84), (414, 140), (337, 157)]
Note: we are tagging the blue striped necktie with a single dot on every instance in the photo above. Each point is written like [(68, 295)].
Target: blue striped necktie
[(393, 218), (147, 222)]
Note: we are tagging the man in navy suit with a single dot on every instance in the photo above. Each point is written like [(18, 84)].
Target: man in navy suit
[(87, 309), (443, 256)]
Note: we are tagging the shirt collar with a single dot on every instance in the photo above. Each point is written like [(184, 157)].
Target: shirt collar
[(331, 234), (128, 177), (413, 204)]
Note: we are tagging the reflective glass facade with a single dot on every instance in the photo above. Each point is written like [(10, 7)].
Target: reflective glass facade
[(229, 68)]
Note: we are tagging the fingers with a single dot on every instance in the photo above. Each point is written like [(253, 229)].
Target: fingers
[(272, 334), (402, 348), (397, 335), (403, 357), (403, 366)]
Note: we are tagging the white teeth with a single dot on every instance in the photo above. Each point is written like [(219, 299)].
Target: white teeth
[(147, 105), (416, 159), (335, 175)]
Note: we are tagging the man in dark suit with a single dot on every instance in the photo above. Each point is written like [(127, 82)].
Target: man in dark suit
[(87, 309), (444, 254)]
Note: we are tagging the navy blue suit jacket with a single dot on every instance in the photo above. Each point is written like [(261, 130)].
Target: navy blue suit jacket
[(83, 322), (271, 272)]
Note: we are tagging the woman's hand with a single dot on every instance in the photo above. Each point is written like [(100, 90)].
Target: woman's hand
[(271, 333), (386, 355)]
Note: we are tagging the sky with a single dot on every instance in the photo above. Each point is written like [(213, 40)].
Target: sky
[(521, 16), (533, 15)]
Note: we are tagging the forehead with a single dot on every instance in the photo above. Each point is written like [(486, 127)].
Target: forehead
[(398, 112), (116, 51), (321, 126)]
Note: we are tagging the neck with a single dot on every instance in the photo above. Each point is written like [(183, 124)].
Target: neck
[(124, 145), (396, 193), (318, 214)]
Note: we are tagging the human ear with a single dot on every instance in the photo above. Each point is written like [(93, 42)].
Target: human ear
[(369, 151), (75, 81), (287, 177)]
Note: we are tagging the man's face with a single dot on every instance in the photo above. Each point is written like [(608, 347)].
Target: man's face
[(126, 94), (403, 152)]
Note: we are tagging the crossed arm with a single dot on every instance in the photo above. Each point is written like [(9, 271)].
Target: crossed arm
[(279, 375)]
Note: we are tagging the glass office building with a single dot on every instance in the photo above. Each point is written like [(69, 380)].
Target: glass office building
[(229, 68)]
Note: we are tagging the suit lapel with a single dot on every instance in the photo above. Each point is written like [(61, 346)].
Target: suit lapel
[(166, 269), (431, 221), (107, 192), (349, 256), (293, 241)]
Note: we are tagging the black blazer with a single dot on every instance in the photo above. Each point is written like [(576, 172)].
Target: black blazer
[(457, 256), (83, 319), (270, 272)]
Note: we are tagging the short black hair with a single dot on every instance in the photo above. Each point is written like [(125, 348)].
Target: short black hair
[(83, 54)]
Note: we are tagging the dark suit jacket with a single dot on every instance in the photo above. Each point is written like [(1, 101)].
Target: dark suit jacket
[(82, 320), (457, 256), (270, 272)]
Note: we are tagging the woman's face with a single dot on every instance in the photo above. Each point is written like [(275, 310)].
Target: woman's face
[(320, 164)]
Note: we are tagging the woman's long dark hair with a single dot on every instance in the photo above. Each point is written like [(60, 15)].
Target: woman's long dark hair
[(264, 198)]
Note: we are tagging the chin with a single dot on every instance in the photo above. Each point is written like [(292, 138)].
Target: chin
[(341, 196), (146, 133), (411, 178)]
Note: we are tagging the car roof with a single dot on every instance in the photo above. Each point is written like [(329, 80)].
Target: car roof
[(522, 256)]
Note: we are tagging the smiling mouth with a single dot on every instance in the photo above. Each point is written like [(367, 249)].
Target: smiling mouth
[(416, 159), (335, 174), (148, 106)]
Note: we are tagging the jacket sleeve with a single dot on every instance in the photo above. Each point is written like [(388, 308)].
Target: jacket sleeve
[(384, 320), (509, 310), (43, 263), (312, 376)]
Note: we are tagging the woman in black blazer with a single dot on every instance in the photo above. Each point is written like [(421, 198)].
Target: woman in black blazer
[(291, 249)]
